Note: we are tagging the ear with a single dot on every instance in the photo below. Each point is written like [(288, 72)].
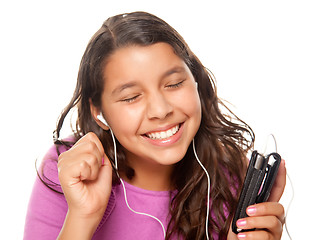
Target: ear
[(95, 112)]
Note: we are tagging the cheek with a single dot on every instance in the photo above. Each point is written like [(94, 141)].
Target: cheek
[(194, 109), (196, 105), (190, 104), (125, 121)]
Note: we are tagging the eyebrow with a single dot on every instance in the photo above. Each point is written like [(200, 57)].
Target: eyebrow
[(120, 88), (176, 69)]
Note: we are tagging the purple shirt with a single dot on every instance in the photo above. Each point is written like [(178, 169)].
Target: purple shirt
[(47, 210)]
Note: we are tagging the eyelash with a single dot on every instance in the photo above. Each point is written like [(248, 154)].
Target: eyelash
[(128, 100), (176, 85)]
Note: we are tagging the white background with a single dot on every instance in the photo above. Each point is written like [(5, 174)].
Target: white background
[(261, 52)]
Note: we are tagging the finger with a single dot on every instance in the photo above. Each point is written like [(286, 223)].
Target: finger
[(85, 171), (92, 169), (255, 235), (94, 139), (279, 185), (267, 208), (89, 144), (105, 173), (73, 158), (272, 223), (86, 168), (94, 164)]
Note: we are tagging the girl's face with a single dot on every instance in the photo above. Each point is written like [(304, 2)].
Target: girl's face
[(150, 101)]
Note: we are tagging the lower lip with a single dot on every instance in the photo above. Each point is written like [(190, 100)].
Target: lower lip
[(167, 141)]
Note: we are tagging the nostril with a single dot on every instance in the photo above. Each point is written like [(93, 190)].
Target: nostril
[(159, 108)]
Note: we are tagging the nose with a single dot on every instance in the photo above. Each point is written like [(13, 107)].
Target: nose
[(158, 107)]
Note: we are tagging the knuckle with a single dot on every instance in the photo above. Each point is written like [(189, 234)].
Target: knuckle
[(83, 164), (282, 211), (274, 221), (90, 136), (91, 147), (93, 160)]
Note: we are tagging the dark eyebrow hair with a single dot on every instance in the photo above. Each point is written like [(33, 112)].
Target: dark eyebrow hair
[(122, 87), (176, 69)]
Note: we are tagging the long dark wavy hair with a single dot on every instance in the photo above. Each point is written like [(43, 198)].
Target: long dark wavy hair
[(222, 140)]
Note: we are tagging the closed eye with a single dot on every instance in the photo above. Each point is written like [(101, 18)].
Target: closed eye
[(176, 85), (129, 100)]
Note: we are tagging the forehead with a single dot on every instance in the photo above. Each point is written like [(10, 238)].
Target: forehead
[(135, 62)]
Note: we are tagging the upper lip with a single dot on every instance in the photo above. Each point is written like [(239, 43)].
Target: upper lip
[(161, 129)]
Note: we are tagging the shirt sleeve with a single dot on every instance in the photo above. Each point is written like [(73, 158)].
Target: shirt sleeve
[(47, 208)]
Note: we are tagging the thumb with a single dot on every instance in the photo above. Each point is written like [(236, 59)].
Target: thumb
[(106, 170), (279, 184), (105, 175)]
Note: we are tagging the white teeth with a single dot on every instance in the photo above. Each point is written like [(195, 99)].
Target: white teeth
[(169, 133), (164, 134)]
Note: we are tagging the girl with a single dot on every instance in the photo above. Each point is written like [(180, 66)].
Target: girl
[(149, 131)]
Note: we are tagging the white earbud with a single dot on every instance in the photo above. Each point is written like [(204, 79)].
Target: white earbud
[(196, 84), (102, 119)]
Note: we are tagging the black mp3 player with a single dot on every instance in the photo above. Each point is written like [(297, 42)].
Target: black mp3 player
[(260, 176)]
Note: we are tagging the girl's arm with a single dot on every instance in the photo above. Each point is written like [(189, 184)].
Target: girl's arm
[(85, 175), (78, 227), (268, 217), (46, 211)]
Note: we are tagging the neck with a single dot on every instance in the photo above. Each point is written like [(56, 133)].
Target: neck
[(154, 177)]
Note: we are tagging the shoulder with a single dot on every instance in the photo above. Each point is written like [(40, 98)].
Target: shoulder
[(47, 169), (47, 206)]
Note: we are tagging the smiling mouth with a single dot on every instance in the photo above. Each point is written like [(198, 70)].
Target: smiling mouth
[(163, 134)]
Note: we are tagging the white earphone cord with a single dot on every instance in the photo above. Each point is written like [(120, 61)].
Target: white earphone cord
[(140, 213), (124, 188), (148, 215), (208, 191), (287, 175), (115, 150)]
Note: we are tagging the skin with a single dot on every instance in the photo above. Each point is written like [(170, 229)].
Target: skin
[(157, 96), (147, 90), (86, 180)]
